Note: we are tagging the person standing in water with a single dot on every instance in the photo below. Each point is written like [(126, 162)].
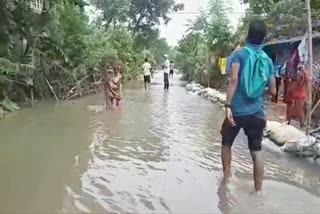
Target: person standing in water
[(171, 69), (166, 71), (112, 85), (296, 97), (245, 110), (146, 73), (107, 75)]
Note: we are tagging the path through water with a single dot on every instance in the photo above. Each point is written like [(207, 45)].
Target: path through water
[(160, 153)]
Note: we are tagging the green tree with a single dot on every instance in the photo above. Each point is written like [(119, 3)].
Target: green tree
[(265, 6), (261, 7), (113, 12), (315, 5), (208, 38), (52, 50), (138, 14), (149, 12), (284, 19)]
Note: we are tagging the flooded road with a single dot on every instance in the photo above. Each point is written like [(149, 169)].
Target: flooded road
[(160, 153)]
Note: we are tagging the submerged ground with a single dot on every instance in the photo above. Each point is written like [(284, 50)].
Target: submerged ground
[(160, 153)]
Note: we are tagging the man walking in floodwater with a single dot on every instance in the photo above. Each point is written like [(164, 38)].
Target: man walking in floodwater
[(171, 68), (251, 72), (166, 71), (146, 73)]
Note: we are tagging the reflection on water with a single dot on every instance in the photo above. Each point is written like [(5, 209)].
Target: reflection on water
[(159, 153), (277, 198)]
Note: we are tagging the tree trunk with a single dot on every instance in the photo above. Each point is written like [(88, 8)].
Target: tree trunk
[(32, 96), (208, 69)]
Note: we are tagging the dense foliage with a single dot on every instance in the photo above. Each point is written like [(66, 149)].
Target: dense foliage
[(50, 48), (208, 38), (285, 18)]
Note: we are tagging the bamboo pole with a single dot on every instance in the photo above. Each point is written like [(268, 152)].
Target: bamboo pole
[(310, 62), (32, 96), (51, 88)]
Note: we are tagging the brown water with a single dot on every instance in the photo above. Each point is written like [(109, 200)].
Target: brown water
[(160, 153)]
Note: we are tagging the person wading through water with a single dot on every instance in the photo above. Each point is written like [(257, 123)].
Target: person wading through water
[(166, 70), (171, 69), (107, 74), (146, 73), (251, 72), (112, 87)]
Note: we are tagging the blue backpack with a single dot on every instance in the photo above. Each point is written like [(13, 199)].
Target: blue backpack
[(255, 73)]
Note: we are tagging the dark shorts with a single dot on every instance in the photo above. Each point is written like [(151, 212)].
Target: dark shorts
[(166, 77), (253, 127), (147, 79), (171, 72)]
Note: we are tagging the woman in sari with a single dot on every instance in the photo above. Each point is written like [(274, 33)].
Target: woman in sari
[(107, 75), (296, 97), (112, 86), (116, 86)]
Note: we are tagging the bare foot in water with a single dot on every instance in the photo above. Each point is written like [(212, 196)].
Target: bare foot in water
[(227, 179), (256, 193)]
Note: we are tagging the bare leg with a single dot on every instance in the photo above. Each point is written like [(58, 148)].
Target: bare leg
[(289, 106), (107, 103), (226, 157), (303, 115), (258, 169), (117, 102), (145, 86), (302, 120), (224, 198), (112, 102)]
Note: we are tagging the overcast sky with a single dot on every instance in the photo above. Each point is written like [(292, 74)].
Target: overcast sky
[(174, 31)]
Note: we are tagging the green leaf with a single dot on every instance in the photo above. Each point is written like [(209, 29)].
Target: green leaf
[(9, 105)]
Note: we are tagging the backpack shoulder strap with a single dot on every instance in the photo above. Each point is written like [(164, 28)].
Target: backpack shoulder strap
[(249, 50), (258, 51)]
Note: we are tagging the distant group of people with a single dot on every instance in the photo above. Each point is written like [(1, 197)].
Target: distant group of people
[(168, 70), (146, 67), (250, 73), (111, 80)]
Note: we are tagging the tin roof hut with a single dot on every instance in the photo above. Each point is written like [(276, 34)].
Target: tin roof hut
[(280, 50)]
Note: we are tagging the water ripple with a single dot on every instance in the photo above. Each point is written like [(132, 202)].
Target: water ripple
[(161, 154)]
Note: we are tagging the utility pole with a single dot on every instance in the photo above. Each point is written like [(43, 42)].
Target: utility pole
[(310, 63)]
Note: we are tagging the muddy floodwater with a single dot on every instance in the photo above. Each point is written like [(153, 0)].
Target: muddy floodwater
[(159, 153)]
